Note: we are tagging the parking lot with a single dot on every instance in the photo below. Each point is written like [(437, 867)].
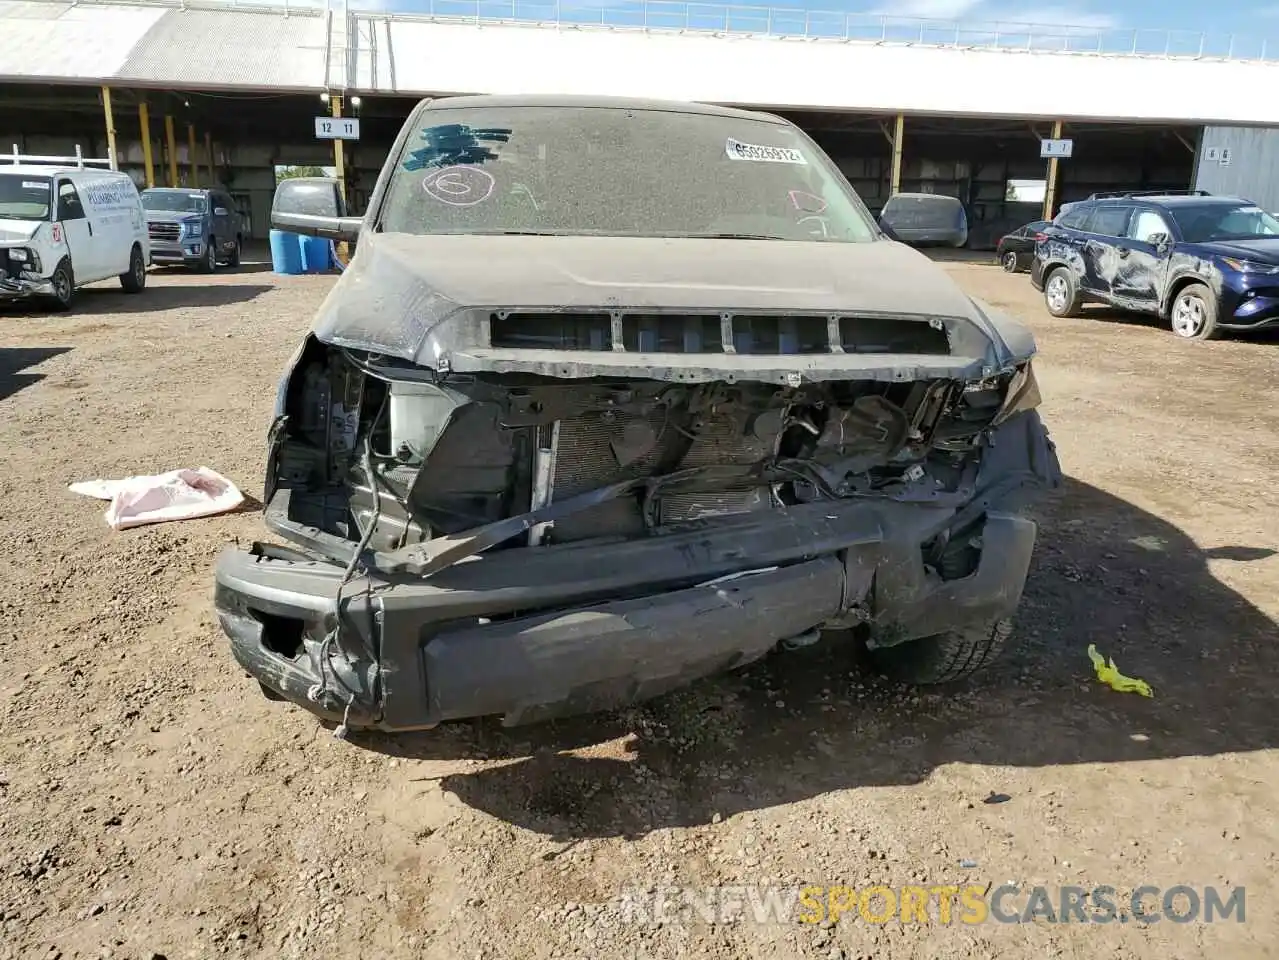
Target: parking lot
[(153, 803)]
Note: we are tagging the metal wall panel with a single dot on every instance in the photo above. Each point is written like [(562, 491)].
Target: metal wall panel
[(1253, 171)]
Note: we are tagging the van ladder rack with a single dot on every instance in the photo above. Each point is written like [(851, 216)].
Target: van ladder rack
[(80, 160)]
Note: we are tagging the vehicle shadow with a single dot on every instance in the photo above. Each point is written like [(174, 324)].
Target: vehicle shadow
[(1108, 314), (246, 266), (13, 360), (801, 724), (156, 298)]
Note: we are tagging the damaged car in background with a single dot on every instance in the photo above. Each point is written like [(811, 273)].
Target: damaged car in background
[(615, 395)]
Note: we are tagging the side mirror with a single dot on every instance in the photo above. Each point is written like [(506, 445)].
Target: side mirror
[(1159, 241), (220, 211), (313, 207), (885, 226)]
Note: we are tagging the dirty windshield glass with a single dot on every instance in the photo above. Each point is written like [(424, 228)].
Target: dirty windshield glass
[(24, 197), (1203, 224), (173, 201), (617, 172)]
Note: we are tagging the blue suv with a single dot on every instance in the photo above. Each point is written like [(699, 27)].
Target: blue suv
[(1205, 264)]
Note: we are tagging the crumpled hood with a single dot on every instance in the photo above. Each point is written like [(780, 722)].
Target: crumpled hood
[(14, 232), (399, 288)]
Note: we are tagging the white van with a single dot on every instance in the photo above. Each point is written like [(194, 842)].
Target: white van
[(64, 226)]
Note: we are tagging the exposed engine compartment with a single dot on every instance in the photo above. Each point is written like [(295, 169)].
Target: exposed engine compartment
[(392, 455)]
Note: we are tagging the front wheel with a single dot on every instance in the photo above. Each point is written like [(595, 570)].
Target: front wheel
[(1009, 262), (63, 282), (209, 262), (134, 280), (944, 657), (1194, 313)]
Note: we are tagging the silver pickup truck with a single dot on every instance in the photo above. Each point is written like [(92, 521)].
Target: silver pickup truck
[(196, 228)]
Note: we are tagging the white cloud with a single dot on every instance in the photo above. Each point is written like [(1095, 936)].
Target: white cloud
[(1058, 16), (930, 9), (1061, 17)]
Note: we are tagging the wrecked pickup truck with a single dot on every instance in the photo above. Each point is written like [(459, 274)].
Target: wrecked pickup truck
[(618, 394)]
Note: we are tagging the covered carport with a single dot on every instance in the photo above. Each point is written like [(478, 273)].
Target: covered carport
[(994, 166)]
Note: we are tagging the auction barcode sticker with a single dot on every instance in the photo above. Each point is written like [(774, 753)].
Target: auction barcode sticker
[(737, 150)]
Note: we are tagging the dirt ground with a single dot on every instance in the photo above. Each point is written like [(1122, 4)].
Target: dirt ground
[(154, 804)]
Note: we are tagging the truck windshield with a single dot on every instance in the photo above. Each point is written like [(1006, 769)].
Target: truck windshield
[(173, 201), (1218, 221), (611, 171), (24, 197)]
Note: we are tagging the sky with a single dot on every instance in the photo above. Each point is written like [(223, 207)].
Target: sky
[(1249, 21)]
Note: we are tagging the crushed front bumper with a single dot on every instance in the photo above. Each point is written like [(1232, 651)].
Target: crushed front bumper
[(20, 288), (533, 633)]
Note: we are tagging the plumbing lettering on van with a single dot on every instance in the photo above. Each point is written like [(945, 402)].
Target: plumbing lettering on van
[(106, 195)]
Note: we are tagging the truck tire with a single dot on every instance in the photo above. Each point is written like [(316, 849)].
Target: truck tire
[(209, 262), (234, 259), (944, 657), (134, 280)]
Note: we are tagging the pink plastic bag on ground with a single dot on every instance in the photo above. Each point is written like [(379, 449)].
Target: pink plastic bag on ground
[(176, 495)]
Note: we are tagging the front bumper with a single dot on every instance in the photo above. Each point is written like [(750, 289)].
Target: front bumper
[(175, 251), (533, 633), (20, 288), (1253, 307), (455, 646)]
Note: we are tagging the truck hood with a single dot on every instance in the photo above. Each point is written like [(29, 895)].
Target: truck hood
[(1257, 249), (13, 232), (427, 299)]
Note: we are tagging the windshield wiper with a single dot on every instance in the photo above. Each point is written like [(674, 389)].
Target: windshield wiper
[(733, 236)]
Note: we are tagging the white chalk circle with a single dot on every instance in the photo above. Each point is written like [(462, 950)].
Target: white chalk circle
[(460, 186)]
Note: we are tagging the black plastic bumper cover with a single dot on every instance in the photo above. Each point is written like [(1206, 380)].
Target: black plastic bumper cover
[(456, 646)]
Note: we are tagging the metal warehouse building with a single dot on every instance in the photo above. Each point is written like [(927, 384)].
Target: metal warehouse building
[(190, 93)]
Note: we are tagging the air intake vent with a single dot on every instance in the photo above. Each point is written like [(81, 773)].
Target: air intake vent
[(780, 335), (892, 335), (551, 331), (672, 334)]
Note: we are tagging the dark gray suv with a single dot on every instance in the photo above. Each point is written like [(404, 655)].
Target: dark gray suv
[(196, 228)]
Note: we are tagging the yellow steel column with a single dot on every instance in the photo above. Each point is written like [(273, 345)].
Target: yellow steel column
[(191, 162), (173, 150), (899, 131), (1050, 189), (106, 109), (208, 152), (339, 156), (144, 121)]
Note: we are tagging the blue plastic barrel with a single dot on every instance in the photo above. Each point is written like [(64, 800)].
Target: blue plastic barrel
[(286, 252), (317, 254)]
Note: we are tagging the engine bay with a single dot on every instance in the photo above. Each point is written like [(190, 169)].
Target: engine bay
[(393, 455)]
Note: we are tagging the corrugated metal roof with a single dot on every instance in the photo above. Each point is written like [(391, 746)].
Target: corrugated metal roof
[(158, 42), (59, 41), (229, 48)]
